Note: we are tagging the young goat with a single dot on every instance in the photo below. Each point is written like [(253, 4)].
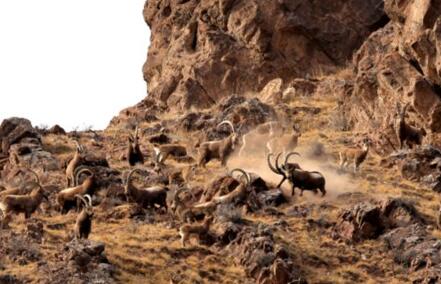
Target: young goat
[(187, 230), (406, 133), (73, 164), (304, 180), (354, 156), (156, 195), (26, 204), (83, 224), (66, 198), (134, 154), (219, 149)]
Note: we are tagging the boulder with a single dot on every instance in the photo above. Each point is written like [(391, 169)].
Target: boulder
[(13, 130)]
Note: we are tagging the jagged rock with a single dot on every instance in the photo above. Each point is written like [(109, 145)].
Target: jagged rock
[(13, 130), (360, 223), (56, 130), (203, 51), (400, 63), (369, 220)]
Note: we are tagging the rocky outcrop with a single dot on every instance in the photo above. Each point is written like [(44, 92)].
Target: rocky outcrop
[(202, 51), (400, 64)]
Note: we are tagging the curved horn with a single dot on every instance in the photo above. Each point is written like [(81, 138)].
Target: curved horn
[(89, 198), (79, 147), (277, 163), (79, 171), (132, 172), (82, 199), (244, 173), (229, 123), (272, 168), (136, 131), (288, 156)]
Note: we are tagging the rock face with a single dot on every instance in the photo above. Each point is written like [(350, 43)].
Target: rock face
[(202, 51), (400, 64)]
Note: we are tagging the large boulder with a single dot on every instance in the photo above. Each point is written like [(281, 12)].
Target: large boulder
[(13, 130)]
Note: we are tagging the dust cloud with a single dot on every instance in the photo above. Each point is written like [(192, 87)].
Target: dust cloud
[(254, 160)]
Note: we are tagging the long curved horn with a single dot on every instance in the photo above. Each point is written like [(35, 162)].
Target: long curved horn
[(229, 123), (132, 172), (136, 132), (272, 168), (79, 147), (82, 199), (278, 165), (244, 173), (288, 156), (89, 198), (79, 171)]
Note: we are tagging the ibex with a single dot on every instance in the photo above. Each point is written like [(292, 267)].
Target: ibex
[(134, 154), (187, 230), (219, 149), (73, 164), (26, 204), (162, 152), (407, 133), (66, 199), (354, 156), (83, 223), (304, 180)]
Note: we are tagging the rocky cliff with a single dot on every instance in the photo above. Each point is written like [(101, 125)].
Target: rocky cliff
[(202, 51)]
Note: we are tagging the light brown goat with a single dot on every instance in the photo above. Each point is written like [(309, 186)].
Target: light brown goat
[(66, 199), (73, 164), (219, 149), (354, 156), (187, 230), (26, 204)]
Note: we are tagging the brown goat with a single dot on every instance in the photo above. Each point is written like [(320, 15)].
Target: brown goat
[(26, 204), (83, 223), (406, 133), (187, 230), (73, 164), (354, 156), (66, 198), (219, 149), (134, 154), (156, 195)]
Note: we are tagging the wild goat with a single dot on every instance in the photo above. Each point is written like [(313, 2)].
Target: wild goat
[(304, 180), (187, 230), (190, 213), (162, 152), (66, 199), (407, 133), (26, 204), (239, 193), (22, 189), (134, 154), (83, 224), (219, 149), (354, 156), (156, 195), (73, 164)]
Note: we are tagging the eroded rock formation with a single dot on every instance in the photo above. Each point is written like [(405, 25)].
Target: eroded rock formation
[(202, 51)]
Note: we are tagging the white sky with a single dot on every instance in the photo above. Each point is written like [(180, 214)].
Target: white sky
[(56, 55)]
